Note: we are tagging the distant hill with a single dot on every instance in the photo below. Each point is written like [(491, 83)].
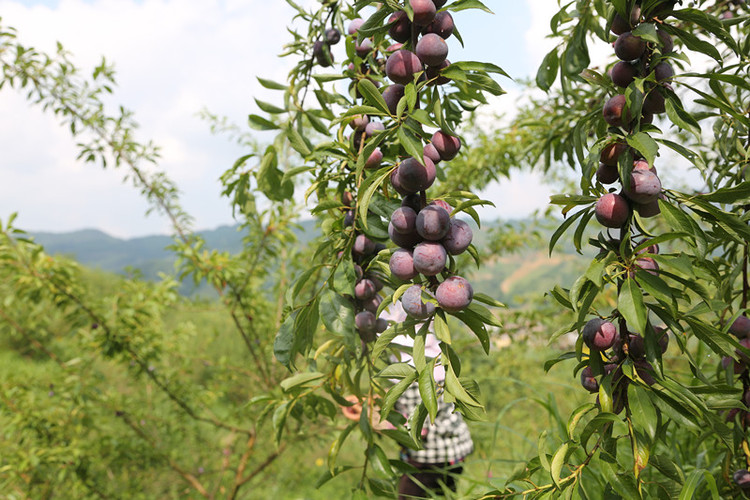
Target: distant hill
[(508, 278)]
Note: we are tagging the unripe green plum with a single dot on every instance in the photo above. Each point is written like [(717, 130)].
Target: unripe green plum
[(432, 49), (433, 223), (629, 46), (599, 334), (612, 210), (402, 65), (454, 294), (447, 145), (402, 264), (458, 238), (413, 305), (430, 258)]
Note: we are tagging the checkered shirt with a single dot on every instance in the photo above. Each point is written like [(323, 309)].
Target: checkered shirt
[(447, 440)]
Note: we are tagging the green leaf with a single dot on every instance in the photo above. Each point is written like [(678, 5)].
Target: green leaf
[(337, 314), (558, 460), (547, 72), (411, 144), (269, 108), (260, 123), (427, 389), (372, 95), (691, 485), (398, 371), (642, 411), (729, 195), (631, 306), (333, 451), (459, 5), (442, 332), (270, 84), (395, 392), (643, 143), (367, 189), (300, 379)]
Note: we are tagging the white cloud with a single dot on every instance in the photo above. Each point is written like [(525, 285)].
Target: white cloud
[(172, 59)]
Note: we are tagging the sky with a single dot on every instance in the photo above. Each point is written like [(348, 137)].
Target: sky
[(174, 58)]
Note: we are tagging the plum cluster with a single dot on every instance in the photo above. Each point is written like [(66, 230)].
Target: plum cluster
[(367, 288), (602, 336), (322, 47), (426, 234), (426, 35), (637, 59)]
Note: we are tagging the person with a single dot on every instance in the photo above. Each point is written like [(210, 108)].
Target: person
[(446, 441)]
